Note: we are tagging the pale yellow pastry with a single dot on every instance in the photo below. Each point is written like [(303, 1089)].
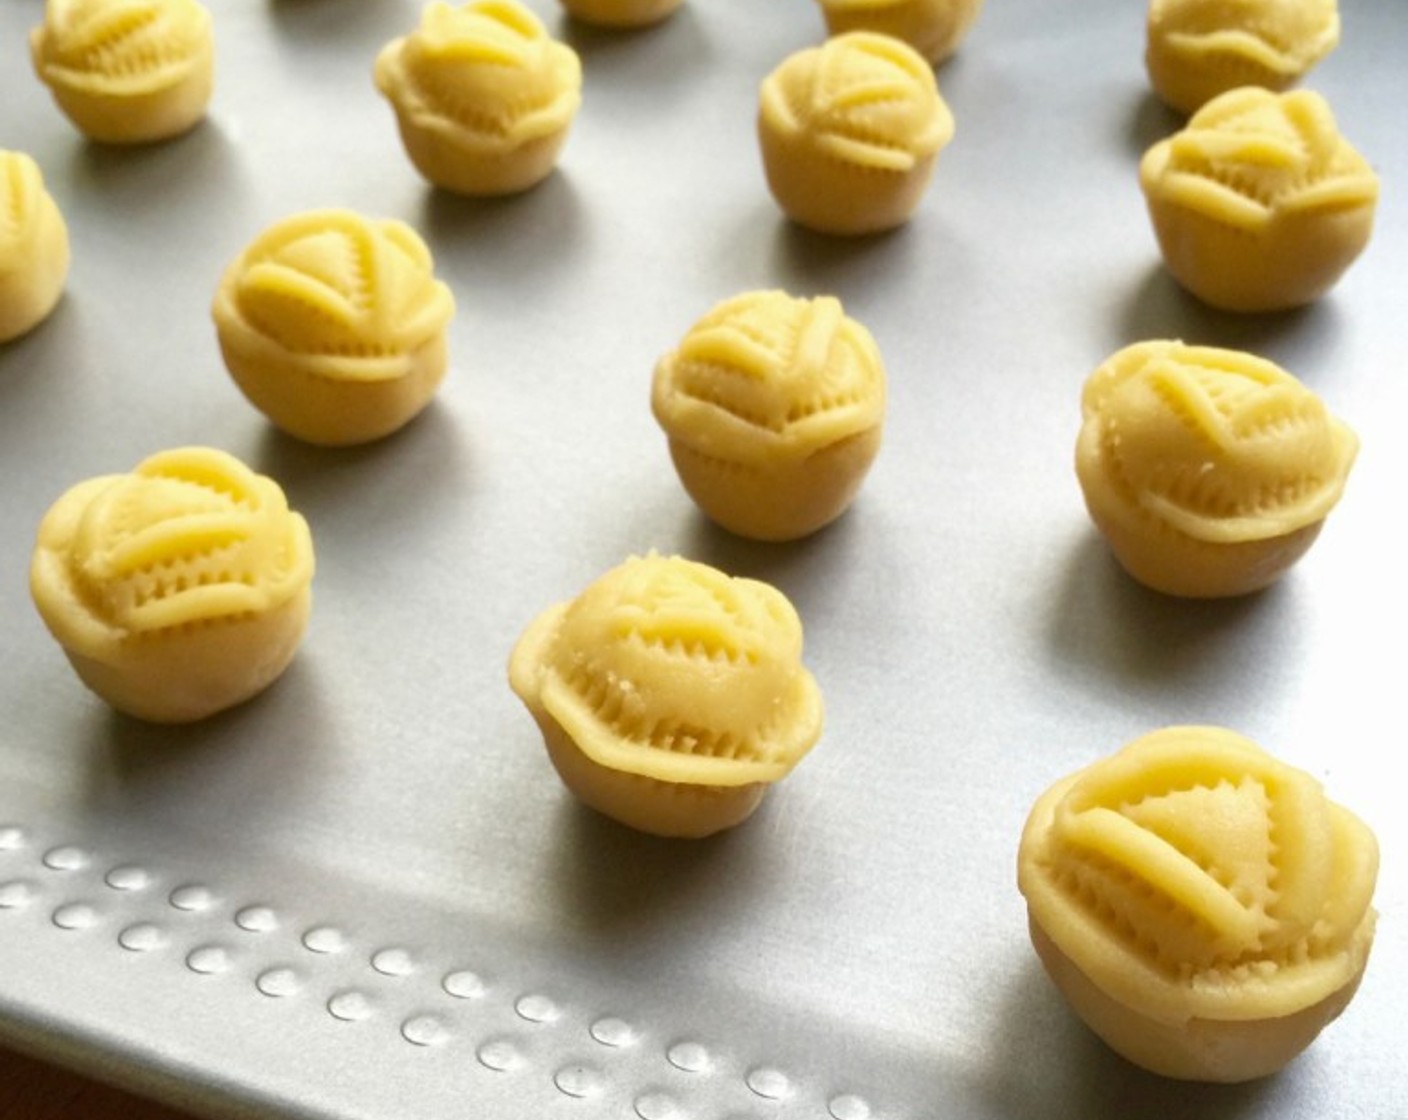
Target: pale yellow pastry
[(932, 27), (621, 13), (127, 71), (1197, 49), (33, 247), (334, 326), (850, 132), (1204, 908), (1210, 472), (1259, 204), (669, 694), (483, 97), (176, 590), (774, 408)]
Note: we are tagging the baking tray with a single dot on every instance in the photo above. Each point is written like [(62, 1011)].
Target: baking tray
[(365, 894)]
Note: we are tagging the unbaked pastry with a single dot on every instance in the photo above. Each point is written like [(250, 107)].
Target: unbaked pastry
[(483, 97), (334, 326), (176, 590), (932, 27), (33, 247), (1197, 49), (850, 132), (1259, 204), (774, 408), (1210, 472), (669, 694), (127, 71), (621, 13), (1204, 908)]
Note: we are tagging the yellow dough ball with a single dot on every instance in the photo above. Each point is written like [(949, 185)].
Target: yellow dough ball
[(34, 255), (670, 695), (1209, 471), (850, 132), (1198, 49), (127, 71), (178, 589), (334, 326), (483, 96), (1259, 204), (1204, 908), (774, 408)]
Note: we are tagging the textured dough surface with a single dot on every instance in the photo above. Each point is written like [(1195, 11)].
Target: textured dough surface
[(773, 406), (178, 588), (127, 71), (333, 324), (1198, 49), (672, 670), (34, 248), (1194, 880), (483, 96), (1259, 204), (850, 131), (1210, 471)]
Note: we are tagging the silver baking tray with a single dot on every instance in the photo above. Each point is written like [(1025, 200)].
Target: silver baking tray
[(365, 895)]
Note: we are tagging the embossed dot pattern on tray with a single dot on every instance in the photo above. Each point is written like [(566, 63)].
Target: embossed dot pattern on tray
[(128, 877), (192, 898), (143, 937), (15, 894), (351, 1006), (257, 919), (66, 857), (463, 984), (580, 1081), (208, 960), (76, 916), (613, 1032)]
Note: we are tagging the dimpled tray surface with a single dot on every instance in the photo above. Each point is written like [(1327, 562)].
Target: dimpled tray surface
[(366, 894)]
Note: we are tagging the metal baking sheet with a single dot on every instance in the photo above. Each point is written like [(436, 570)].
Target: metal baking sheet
[(365, 894)]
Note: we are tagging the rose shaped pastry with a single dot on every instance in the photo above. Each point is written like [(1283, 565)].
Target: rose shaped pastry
[(333, 325), (127, 71), (932, 27), (850, 132), (773, 407), (1197, 49), (670, 695), (620, 13), (1202, 906), (33, 247), (1259, 204), (177, 590), (483, 97), (1210, 472)]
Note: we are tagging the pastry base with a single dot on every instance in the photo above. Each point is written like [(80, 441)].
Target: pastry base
[(451, 166), (782, 502), (141, 118), (182, 675), (1168, 561), (1197, 1049), (831, 196), (323, 410), (1290, 262), (672, 809)]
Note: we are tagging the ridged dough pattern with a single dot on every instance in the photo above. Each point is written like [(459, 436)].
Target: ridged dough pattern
[(1218, 445), (352, 295), (861, 98), (1259, 204), (672, 670), (122, 46), (483, 96), (1193, 876), (767, 376), (189, 537), (1198, 49)]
